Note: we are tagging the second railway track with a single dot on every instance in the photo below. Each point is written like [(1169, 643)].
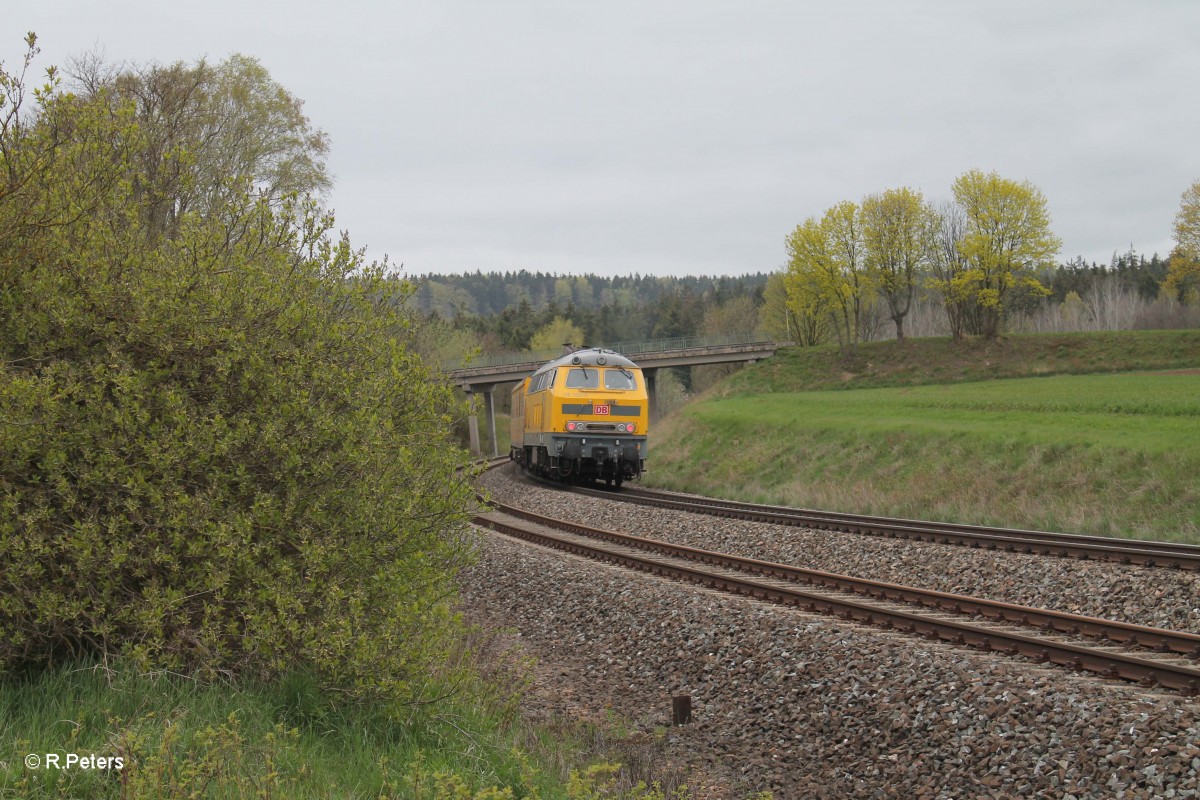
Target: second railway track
[(1108, 648), (1100, 548)]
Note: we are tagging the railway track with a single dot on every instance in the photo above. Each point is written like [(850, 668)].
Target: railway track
[(1148, 656), (1100, 548)]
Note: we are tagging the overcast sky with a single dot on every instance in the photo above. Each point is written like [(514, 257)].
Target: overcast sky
[(690, 137)]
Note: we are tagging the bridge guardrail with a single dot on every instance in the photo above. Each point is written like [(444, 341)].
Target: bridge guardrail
[(624, 348)]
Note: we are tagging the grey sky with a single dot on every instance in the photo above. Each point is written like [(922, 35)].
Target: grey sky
[(691, 137)]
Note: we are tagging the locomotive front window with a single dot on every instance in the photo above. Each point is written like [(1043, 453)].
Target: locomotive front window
[(618, 379), (583, 379)]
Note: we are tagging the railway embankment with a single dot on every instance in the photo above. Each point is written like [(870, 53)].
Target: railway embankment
[(1082, 433)]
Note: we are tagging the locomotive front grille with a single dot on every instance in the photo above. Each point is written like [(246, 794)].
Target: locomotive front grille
[(601, 427)]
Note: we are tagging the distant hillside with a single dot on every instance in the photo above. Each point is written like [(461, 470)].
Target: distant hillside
[(485, 294)]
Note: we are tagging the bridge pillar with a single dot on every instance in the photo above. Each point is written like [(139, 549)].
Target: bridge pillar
[(472, 424), (473, 417), (491, 409), (651, 376)]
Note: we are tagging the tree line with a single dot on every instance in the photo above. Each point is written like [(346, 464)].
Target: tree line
[(599, 311), (986, 257), (978, 265), (1128, 292), (485, 294)]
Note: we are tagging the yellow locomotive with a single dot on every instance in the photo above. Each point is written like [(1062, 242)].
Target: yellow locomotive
[(583, 416)]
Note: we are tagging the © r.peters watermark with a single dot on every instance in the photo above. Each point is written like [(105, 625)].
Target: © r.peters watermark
[(73, 761)]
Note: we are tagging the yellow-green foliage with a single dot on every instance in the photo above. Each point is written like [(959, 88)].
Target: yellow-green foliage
[(554, 335), (1187, 221), (827, 274), (1007, 237), (1183, 277), (217, 452), (898, 227)]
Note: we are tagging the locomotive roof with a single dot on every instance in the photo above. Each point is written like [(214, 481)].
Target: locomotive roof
[(589, 357)]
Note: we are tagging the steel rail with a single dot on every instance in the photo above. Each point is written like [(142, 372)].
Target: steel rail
[(1101, 548), (1185, 679)]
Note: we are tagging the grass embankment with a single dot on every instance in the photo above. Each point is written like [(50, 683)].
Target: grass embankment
[(920, 362), (1112, 454), (182, 739)]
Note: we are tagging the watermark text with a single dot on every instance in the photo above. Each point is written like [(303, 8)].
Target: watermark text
[(73, 761)]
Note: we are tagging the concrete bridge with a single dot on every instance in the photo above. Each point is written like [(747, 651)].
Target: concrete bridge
[(483, 378)]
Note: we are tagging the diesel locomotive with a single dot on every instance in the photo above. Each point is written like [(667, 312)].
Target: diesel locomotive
[(582, 417)]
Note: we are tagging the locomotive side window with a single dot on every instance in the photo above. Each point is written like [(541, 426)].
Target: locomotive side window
[(618, 379), (541, 382), (583, 379)]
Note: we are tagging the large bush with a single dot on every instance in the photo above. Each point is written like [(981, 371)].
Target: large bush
[(217, 453)]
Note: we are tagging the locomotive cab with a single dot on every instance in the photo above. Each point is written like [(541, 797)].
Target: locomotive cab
[(582, 417)]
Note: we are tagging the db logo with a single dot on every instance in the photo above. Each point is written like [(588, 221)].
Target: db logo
[(600, 411)]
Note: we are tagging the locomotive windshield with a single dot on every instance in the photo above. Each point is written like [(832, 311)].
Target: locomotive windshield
[(618, 379), (583, 379)]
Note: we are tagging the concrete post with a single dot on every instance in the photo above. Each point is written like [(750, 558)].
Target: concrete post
[(473, 423), (681, 709), (491, 409), (651, 376)]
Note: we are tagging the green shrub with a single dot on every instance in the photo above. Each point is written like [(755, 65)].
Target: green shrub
[(217, 452)]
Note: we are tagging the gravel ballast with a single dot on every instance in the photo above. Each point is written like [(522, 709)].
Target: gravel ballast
[(809, 706), (1156, 597)]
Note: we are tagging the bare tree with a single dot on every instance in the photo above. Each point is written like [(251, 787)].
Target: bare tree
[(949, 266), (1112, 303)]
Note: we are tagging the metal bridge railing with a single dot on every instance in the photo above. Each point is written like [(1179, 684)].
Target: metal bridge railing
[(624, 348)]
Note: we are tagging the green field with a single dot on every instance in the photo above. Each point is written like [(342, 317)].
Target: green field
[(1114, 454)]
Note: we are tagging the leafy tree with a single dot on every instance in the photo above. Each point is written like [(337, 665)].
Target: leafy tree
[(440, 343), (218, 452), (782, 320), (207, 131), (1007, 237), (736, 317), (826, 274), (897, 230), (553, 336), (1183, 275), (676, 314), (1187, 221), (774, 316)]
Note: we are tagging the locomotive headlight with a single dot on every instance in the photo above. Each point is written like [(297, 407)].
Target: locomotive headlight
[(570, 426), (630, 427)]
